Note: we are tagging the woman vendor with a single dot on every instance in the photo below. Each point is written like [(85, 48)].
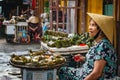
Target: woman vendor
[(101, 60), (35, 30)]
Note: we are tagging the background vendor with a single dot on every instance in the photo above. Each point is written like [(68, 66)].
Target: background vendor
[(35, 30)]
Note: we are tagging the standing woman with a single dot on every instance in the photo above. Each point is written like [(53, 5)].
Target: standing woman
[(101, 60)]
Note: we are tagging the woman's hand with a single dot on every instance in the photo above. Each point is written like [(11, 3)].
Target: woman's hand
[(78, 58)]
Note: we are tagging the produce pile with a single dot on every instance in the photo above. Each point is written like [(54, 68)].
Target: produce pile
[(39, 59), (61, 39)]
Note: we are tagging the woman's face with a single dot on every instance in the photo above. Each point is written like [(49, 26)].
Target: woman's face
[(93, 28)]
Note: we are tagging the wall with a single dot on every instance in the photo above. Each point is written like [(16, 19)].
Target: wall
[(94, 6), (91, 6), (117, 18)]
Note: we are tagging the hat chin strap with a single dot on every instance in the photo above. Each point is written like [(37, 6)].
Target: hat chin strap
[(96, 36)]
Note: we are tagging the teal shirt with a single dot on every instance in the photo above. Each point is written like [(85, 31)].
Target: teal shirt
[(103, 50)]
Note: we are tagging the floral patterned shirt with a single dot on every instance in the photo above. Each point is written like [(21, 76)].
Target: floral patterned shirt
[(102, 50)]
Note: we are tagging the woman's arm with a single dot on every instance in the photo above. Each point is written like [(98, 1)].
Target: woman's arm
[(31, 28), (97, 71)]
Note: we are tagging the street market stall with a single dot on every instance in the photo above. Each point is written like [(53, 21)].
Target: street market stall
[(15, 32), (38, 65), (68, 53), (21, 30), (66, 45)]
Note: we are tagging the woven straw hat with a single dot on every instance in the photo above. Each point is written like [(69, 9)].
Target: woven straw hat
[(107, 25), (33, 19)]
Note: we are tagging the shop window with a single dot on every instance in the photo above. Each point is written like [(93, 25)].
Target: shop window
[(63, 15), (108, 7)]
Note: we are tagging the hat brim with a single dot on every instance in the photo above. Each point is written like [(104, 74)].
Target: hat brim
[(106, 24)]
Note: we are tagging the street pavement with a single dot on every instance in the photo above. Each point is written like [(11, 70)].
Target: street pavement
[(12, 47), (7, 71)]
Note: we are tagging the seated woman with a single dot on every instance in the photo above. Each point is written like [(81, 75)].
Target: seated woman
[(101, 59), (34, 29)]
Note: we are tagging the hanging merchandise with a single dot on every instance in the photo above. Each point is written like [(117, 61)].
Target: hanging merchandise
[(33, 4)]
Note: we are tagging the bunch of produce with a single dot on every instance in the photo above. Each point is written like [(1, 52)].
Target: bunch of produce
[(56, 33), (38, 59), (83, 38), (61, 42), (55, 39)]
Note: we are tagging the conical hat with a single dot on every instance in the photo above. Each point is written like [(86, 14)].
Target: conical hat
[(107, 25)]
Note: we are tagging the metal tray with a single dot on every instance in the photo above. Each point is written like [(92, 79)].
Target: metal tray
[(36, 67)]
